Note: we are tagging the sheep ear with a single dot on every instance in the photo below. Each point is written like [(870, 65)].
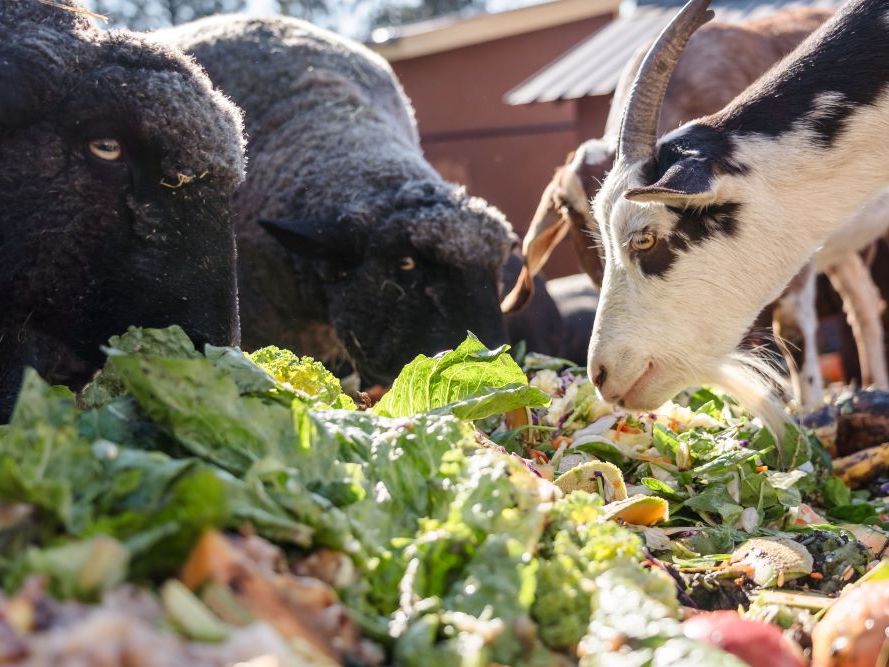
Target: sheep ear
[(689, 182), (18, 99), (329, 241)]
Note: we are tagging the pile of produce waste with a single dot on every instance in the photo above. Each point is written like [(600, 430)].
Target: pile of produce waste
[(215, 508)]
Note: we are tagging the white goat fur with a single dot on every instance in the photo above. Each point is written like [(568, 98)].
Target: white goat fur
[(705, 78), (656, 336)]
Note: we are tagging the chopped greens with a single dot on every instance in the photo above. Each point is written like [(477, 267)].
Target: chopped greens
[(451, 549)]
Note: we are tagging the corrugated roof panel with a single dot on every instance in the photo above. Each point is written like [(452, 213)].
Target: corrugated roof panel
[(580, 61), (593, 67), (602, 78)]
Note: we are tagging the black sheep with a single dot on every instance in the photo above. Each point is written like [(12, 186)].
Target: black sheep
[(377, 258), (118, 165)]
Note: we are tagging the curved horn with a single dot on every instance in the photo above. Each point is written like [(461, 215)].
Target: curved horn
[(638, 130)]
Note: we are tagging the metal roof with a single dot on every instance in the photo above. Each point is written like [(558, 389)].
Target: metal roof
[(593, 67), (455, 31)]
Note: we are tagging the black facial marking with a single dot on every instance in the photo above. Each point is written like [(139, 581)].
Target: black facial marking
[(693, 227), (849, 61), (698, 225), (657, 261), (698, 153)]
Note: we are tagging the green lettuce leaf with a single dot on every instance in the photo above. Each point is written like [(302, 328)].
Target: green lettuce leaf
[(201, 408), (470, 382), (172, 343), (835, 492), (715, 499), (43, 459)]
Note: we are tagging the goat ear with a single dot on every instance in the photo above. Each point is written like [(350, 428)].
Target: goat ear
[(327, 241), (547, 229), (689, 182)]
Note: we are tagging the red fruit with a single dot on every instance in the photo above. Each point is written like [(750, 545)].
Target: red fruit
[(758, 644)]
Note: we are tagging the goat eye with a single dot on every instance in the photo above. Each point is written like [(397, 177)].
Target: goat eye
[(642, 241), (106, 149), (407, 263)]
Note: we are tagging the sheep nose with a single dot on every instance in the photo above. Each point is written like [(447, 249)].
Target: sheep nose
[(601, 376)]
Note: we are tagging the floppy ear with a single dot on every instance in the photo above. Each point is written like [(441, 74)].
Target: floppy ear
[(547, 229), (688, 182), (18, 96), (334, 241), (577, 208)]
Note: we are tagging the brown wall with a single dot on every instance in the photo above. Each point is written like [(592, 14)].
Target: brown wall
[(592, 112), (503, 153)]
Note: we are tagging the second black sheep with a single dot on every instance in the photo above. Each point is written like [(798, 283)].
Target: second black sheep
[(350, 245)]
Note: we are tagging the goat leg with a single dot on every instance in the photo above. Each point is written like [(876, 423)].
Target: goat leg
[(795, 323), (863, 306)]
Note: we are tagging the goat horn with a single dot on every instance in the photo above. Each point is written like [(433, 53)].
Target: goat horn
[(638, 130)]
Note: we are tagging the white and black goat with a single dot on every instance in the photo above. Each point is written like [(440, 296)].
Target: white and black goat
[(720, 61), (705, 227)]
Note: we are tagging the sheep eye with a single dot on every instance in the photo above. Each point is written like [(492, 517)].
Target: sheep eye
[(642, 241), (106, 149), (407, 263)]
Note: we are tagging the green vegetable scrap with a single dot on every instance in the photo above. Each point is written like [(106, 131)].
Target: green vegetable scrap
[(470, 382), (463, 554), (305, 376), (85, 569), (576, 547), (190, 615), (459, 553), (635, 623)]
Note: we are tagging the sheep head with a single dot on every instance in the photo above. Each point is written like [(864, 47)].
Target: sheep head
[(669, 314), (119, 165), (411, 278)]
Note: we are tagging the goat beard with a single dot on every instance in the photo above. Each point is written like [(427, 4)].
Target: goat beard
[(759, 386)]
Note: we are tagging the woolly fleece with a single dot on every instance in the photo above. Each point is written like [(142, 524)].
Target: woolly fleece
[(332, 140), (88, 247)]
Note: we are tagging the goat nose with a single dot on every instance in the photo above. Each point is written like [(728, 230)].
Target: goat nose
[(599, 380)]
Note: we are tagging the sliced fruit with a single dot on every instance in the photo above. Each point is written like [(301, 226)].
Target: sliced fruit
[(600, 477), (639, 510), (517, 418), (773, 560)]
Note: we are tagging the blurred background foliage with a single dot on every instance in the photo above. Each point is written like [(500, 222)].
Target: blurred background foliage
[(354, 17)]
